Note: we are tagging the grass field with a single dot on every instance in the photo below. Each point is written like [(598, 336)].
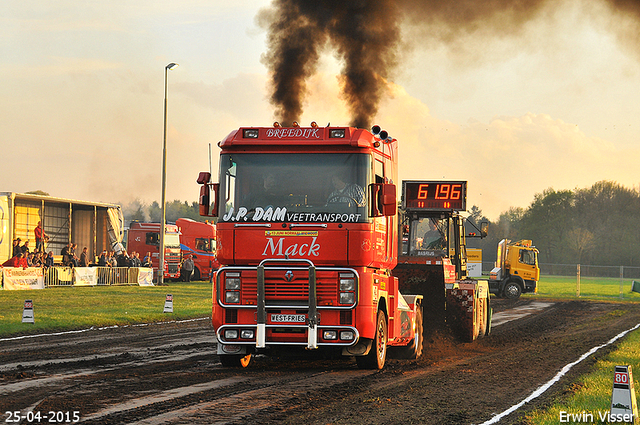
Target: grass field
[(591, 394), (591, 288), (65, 308)]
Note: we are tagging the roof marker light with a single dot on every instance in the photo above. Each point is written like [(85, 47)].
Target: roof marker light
[(375, 129)]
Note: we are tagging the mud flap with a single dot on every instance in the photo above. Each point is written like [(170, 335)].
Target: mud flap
[(231, 349)]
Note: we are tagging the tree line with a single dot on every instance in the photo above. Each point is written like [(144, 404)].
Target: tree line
[(599, 225), (138, 211)]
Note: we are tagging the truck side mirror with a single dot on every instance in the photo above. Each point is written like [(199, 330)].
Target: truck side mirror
[(208, 207), (383, 199), (203, 201), (389, 201), (484, 229)]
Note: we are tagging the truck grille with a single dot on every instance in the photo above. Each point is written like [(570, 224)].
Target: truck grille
[(278, 287)]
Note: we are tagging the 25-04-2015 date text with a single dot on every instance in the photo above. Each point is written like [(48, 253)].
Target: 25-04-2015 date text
[(37, 417)]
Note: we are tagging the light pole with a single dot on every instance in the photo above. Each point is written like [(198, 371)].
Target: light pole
[(163, 223)]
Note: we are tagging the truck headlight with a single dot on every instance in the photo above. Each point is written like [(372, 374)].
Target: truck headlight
[(232, 283), (347, 298), (246, 334), (347, 284), (347, 335), (330, 335), (232, 297), (230, 334)]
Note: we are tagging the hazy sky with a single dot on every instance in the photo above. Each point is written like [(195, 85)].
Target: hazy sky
[(555, 105)]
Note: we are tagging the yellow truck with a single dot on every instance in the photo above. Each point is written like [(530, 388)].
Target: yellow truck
[(516, 270)]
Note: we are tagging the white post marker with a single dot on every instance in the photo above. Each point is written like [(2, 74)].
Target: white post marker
[(623, 398), (27, 312), (168, 304)]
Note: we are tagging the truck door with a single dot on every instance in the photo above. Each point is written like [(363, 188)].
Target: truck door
[(528, 265)]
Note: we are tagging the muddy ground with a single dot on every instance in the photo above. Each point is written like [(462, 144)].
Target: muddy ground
[(169, 374)]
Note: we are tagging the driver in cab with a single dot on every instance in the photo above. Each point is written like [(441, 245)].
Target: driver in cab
[(346, 192)]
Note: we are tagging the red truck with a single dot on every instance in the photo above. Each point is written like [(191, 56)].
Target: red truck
[(307, 237), (198, 240), (145, 237)]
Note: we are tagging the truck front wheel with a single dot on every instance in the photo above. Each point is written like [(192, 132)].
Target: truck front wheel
[(378, 353), (512, 290)]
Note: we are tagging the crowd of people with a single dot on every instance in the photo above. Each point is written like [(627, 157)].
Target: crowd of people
[(23, 257), (111, 259)]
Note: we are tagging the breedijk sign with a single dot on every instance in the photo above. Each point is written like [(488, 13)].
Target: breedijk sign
[(293, 133)]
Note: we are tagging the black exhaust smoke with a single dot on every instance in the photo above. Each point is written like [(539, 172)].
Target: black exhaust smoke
[(366, 35)]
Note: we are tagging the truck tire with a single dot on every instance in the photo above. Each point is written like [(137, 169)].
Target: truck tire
[(486, 322), (512, 290), (377, 356), (196, 274), (235, 360), (414, 349)]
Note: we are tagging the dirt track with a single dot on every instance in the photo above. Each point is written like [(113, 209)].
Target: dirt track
[(169, 374)]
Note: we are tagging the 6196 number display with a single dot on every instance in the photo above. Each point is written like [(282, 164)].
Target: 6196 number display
[(434, 195)]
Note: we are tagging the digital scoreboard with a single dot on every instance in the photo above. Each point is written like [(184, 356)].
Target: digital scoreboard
[(434, 195)]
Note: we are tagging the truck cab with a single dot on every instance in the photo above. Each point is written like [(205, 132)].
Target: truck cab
[(198, 239), (145, 238), (307, 239), (516, 270)]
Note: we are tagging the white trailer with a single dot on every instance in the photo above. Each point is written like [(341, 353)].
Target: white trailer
[(96, 225)]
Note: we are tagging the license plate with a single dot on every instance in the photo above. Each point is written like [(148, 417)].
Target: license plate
[(288, 318)]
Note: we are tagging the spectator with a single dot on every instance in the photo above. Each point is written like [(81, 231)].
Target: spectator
[(66, 255), (113, 261), (73, 258), (25, 248), (123, 259), (84, 258), (147, 261), (135, 259), (102, 260), (40, 237), (49, 260), (187, 268), (16, 247)]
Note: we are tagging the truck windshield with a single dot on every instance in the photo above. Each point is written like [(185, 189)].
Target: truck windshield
[(171, 240), (321, 188), (428, 236)]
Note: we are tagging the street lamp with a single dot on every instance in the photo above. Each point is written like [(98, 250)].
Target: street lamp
[(163, 224)]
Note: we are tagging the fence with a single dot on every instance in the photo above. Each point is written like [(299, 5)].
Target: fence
[(587, 279), (39, 278), (584, 270), (101, 276)]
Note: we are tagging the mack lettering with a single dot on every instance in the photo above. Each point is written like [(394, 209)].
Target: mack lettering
[(278, 249)]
